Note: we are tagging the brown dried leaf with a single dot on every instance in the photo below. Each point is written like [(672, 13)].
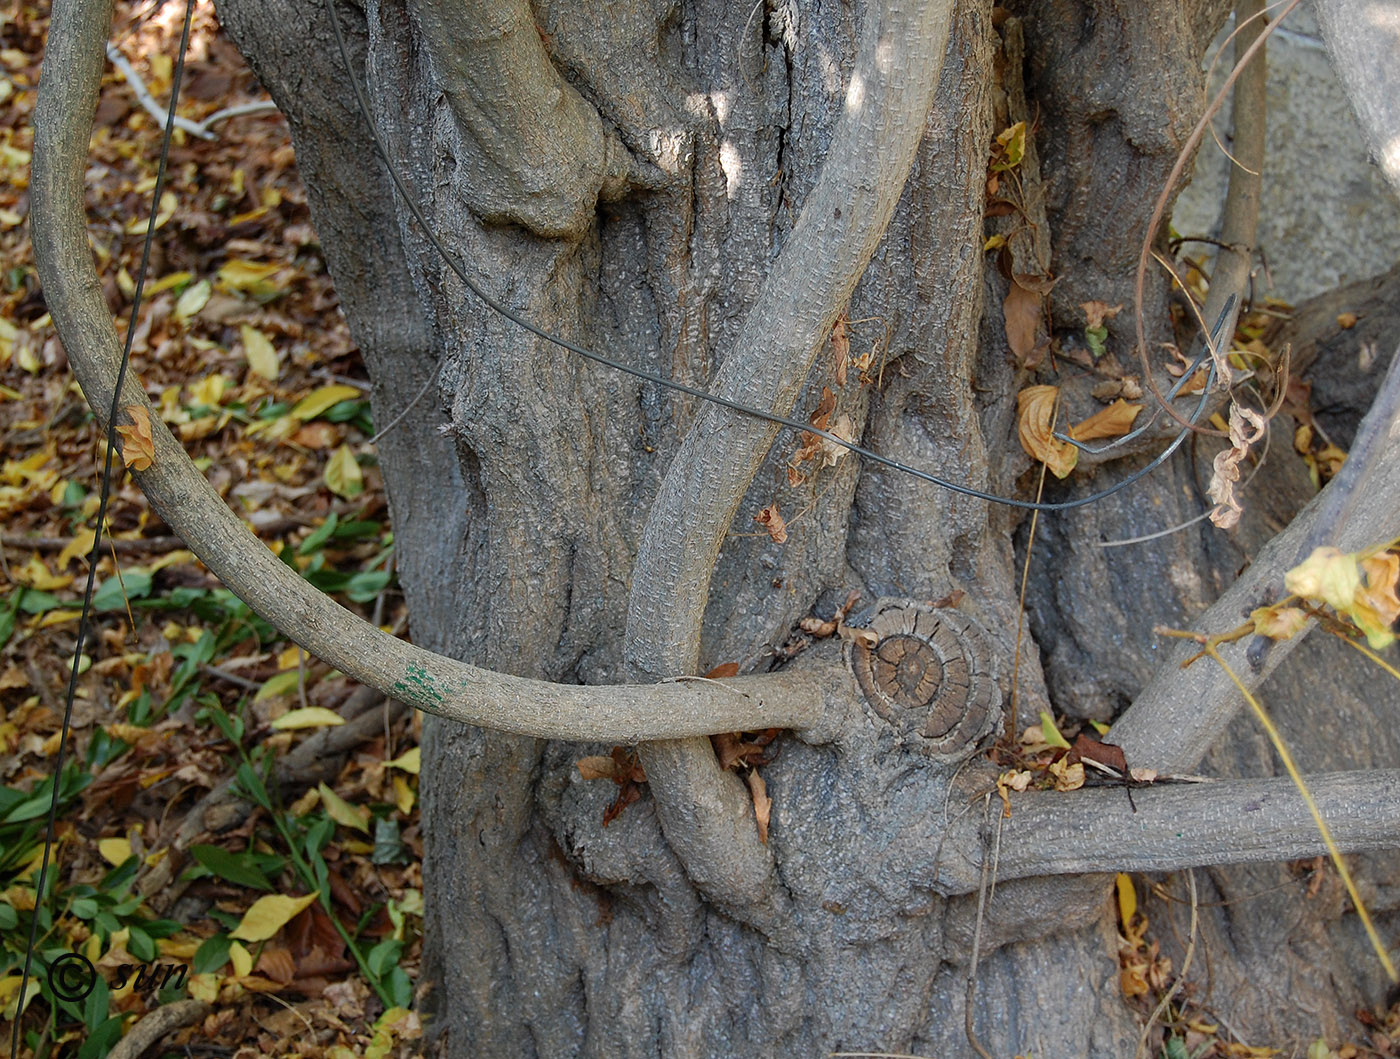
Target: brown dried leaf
[(822, 415), (844, 429), (1035, 411), (762, 804), (841, 346), (597, 767), (1109, 755), (1068, 776), (772, 521), (1096, 312), (138, 448), (724, 669), (818, 628), (1110, 422), (1022, 311)]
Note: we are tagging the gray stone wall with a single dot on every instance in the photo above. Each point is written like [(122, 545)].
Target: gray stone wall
[(1327, 216)]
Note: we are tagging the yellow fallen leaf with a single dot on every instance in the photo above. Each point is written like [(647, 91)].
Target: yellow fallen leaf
[(259, 352), (192, 299), (209, 390), (341, 811), (409, 761), (115, 851), (1035, 412), (310, 717), (317, 401), (1111, 422), (138, 448), (241, 959), (247, 275), (268, 915), (1127, 898), (79, 547), (404, 796), (343, 476)]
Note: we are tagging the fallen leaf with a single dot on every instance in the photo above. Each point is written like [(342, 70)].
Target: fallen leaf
[(192, 299), (725, 669), (1110, 422), (1127, 898), (1035, 410), (1021, 311), (1110, 755), (342, 812), (1346, 321), (1011, 780), (138, 448), (343, 475), (1096, 312), (597, 767), (762, 804), (310, 717), (1050, 735), (319, 400), (259, 352), (841, 347), (1246, 427), (832, 452), (1068, 776), (115, 851), (270, 914), (772, 521)]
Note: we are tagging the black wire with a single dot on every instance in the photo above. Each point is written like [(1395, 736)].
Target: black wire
[(692, 391), (95, 554)]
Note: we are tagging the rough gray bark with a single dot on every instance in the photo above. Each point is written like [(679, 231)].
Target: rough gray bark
[(521, 522)]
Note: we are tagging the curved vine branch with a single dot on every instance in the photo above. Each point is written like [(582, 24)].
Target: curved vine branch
[(842, 221), (67, 99)]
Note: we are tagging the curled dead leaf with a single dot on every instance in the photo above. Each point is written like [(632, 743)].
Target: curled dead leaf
[(1246, 427), (1111, 422), (1279, 622), (1096, 312), (762, 804), (1068, 776), (1035, 418), (772, 521), (138, 448), (841, 347)]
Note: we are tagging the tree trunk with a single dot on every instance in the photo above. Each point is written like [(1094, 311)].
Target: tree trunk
[(627, 175)]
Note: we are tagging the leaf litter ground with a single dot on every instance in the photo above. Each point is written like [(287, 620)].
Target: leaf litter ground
[(182, 691)]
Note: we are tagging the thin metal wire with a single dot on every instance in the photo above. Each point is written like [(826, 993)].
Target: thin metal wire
[(93, 557), (640, 373), (1209, 351)]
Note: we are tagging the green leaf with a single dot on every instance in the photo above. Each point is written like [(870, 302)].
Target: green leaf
[(1050, 732), (1095, 337), (110, 596), (320, 535), (84, 908), (237, 868), (140, 944), (36, 602), (384, 956), (212, 954), (365, 587)]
